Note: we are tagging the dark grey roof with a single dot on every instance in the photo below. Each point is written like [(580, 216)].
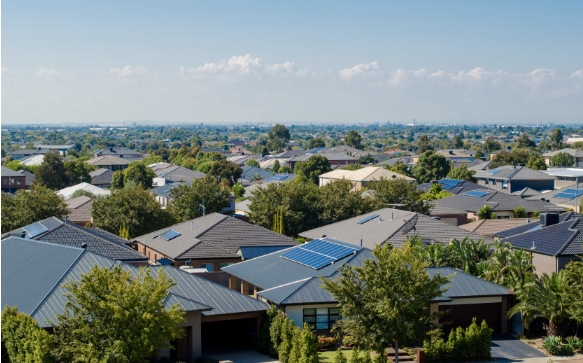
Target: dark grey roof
[(9, 172), (390, 162), (248, 252), (28, 177), (177, 173), (527, 227), (462, 187), (526, 192), (164, 190), (290, 153), (498, 201), (101, 176), (509, 172), (561, 239), (33, 273), (392, 226), (212, 236), (252, 172), (118, 151), (26, 152), (550, 196), (97, 241)]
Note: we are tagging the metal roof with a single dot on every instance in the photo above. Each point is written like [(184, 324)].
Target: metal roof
[(249, 252)]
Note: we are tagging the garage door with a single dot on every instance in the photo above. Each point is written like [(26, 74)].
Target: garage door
[(462, 315), (229, 334)]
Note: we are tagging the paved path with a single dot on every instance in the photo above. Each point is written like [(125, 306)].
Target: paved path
[(506, 346), (242, 356)]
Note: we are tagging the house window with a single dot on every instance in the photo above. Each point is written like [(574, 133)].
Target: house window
[(486, 181), (225, 264), (321, 318), (493, 182), (4, 181), (19, 181), (208, 266), (504, 184)]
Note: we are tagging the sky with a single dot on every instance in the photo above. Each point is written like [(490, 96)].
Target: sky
[(224, 62)]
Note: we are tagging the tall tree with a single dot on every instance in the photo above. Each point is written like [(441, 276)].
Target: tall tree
[(458, 142), (461, 173), (574, 275), (26, 207), (524, 142), (278, 137), (514, 157), (491, 145), (431, 166), (117, 179), (313, 167), (353, 139), (23, 340), (423, 144), (401, 168), (140, 174), (187, 200), (399, 194), (536, 162), (51, 172), (366, 294), (562, 159), (316, 142), (337, 202), (557, 139), (226, 171), (112, 315), (486, 212), (132, 206), (77, 171)]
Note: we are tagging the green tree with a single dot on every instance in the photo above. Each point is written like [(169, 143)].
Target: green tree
[(431, 166), (338, 201), (140, 174), (577, 145), (458, 142), (544, 298), (117, 179), (557, 139), (400, 168), (26, 207), (252, 162), (238, 189), (278, 137), (574, 274), (468, 254), (478, 155), (275, 166), (339, 357), (353, 139), (562, 159), (461, 173), (51, 172), (423, 144), (132, 205), (491, 145), (514, 157), (520, 212), (308, 346), (83, 192), (366, 295), (536, 162), (486, 212), (187, 199), (114, 316), (23, 339), (313, 168), (524, 142), (316, 142), (508, 266), (399, 194), (226, 171), (435, 192), (77, 171)]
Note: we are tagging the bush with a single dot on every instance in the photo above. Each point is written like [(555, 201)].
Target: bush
[(339, 357), (472, 343), (23, 340), (554, 345), (326, 342), (576, 343)]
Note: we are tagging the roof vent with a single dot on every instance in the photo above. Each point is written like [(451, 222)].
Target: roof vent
[(533, 246), (450, 152), (83, 245)]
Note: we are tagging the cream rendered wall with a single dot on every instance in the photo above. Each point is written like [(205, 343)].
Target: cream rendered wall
[(296, 312), (193, 319)]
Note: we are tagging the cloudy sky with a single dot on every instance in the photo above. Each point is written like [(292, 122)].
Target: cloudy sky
[(291, 61)]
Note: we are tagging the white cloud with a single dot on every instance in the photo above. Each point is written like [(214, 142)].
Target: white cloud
[(577, 74), (369, 69), (245, 65), (128, 71), (47, 73), (537, 77)]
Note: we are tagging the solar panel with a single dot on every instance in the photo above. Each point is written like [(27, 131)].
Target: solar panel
[(495, 171), (363, 221), (475, 193), (35, 229), (318, 253), (564, 195), (575, 192), (169, 234), (450, 181)]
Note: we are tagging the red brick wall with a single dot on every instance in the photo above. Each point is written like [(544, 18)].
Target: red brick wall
[(154, 255)]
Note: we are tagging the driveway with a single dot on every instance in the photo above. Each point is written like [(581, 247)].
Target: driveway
[(506, 346), (241, 356)]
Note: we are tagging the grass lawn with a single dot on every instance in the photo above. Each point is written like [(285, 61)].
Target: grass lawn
[(328, 355)]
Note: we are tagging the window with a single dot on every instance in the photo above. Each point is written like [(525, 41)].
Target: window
[(321, 318), (4, 181), (208, 266), (486, 181), (225, 264), (493, 182), (504, 184), (19, 181)]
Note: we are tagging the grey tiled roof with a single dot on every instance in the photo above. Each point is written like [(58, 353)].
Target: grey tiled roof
[(9, 172), (35, 285), (463, 187), (101, 176), (509, 172), (28, 177), (164, 190), (550, 196), (526, 192), (212, 236), (177, 173), (79, 209), (526, 227), (249, 172), (392, 226), (98, 241), (489, 227)]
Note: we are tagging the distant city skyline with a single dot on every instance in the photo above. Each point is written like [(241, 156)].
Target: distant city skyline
[(113, 62)]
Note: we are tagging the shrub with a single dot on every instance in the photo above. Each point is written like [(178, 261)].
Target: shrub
[(576, 343), (472, 343), (326, 342), (23, 340), (355, 356), (554, 345), (339, 357)]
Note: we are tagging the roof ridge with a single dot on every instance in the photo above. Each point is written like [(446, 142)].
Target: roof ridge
[(211, 226), (82, 229), (307, 281), (575, 222)]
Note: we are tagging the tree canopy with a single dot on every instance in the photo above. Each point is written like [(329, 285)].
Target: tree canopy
[(524, 142), (536, 162), (26, 207), (514, 157), (486, 212), (278, 137), (113, 316), (423, 144), (316, 142), (400, 194), (51, 172), (23, 341), (353, 139), (313, 167), (461, 173), (187, 199), (557, 139), (431, 166), (366, 294), (140, 174), (226, 171), (562, 159)]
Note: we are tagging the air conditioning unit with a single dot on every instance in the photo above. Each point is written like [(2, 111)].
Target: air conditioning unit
[(548, 219)]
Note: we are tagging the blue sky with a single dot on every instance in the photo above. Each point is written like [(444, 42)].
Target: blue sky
[(296, 61)]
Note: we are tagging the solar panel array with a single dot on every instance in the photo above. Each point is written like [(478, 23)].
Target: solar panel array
[(495, 171), (476, 193), (169, 234), (448, 184), (318, 253), (369, 218), (35, 229), (569, 194)]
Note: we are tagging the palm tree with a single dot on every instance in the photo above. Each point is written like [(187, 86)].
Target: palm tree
[(467, 254), (509, 267), (544, 298)]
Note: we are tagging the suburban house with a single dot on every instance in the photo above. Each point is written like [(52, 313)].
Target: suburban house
[(447, 214), (501, 203), (164, 196), (12, 180), (569, 198), (391, 226), (170, 173), (490, 227), (95, 240), (101, 178), (18, 154), (290, 279), (526, 193), (453, 155), (362, 177), (252, 173), (79, 210), (62, 149), (554, 241), (33, 273), (509, 179), (121, 152), (335, 159), (566, 177), (32, 160), (110, 162), (209, 242), (277, 178), (66, 193), (453, 186), (575, 153)]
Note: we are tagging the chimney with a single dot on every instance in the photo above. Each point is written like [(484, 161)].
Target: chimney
[(548, 219)]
